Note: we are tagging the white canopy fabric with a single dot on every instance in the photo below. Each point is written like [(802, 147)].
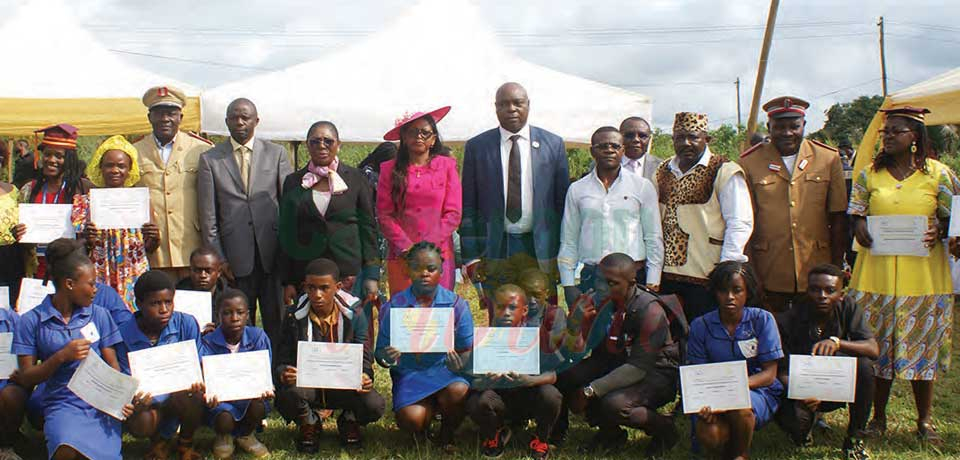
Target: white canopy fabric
[(57, 72), (438, 53), (940, 94)]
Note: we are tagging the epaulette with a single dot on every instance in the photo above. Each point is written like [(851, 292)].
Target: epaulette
[(821, 144), (751, 149), (200, 138)]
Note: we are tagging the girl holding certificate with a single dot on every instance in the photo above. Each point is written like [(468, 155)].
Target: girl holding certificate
[(12, 253), (901, 291), (51, 341), (236, 418), (422, 384), (735, 332), (154, 324), (120, 254), (13, 397)]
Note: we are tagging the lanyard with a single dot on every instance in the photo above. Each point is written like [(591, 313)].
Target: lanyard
[(56, 199)]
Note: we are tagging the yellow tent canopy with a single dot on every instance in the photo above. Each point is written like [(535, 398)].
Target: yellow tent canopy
[(940, 94)]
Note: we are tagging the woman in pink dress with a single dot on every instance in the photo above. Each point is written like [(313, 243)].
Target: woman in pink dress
[(418, 196)]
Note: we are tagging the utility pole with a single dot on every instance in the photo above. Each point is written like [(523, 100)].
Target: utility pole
[(762, 69), (883, 59), (739, 124)]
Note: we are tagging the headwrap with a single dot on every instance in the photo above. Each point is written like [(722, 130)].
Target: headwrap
[(120, 143), (315, 173), (690, 122), (913, 113)]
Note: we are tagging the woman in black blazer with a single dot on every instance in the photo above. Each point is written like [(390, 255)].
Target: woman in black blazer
[(326, 211)]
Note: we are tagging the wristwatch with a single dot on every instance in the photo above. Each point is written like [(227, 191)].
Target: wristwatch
[(588, 391), (835, 340)]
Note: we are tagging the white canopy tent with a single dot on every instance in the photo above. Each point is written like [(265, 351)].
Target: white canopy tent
[(438, 53), (59, 73)]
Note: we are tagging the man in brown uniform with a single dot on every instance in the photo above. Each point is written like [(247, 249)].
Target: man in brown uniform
[(799, 201), (168, 167)]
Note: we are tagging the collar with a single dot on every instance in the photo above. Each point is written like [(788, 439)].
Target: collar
[(217, 338), (132, 334), (716, 328), (442, 298), (704, 161), (168, 144), (596, 177), (344, 301), (234, 145), (46, 310), (524, 133)]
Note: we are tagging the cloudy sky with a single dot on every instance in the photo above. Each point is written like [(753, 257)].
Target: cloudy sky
[(684, 54)]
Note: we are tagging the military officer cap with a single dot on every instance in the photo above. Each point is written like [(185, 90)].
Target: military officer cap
[(786, 107), (164, 96)]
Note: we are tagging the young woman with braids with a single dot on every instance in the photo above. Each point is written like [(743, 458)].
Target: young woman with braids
[(907, 298), (422, 383), (61, 177), (418, 197)]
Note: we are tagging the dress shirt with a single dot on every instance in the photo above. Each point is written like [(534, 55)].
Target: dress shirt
[(321, 200), (525, 224), (634, 166), (164, 150), (238, 154), (789, 161), (736, 207), (598, 222)]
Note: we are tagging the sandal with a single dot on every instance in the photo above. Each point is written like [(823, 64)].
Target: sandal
[(927, 433), (876, 428), (159, 450), (185, 450)]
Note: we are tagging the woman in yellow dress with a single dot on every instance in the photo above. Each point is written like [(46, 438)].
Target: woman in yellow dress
[(908, 299)]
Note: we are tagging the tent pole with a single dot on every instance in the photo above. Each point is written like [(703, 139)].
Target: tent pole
[(296, 158)]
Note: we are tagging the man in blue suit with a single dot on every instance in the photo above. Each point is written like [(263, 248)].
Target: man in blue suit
[(515, 180)]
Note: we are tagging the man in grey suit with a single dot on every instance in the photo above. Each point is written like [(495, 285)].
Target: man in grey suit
[(238, 187), (636, 142)]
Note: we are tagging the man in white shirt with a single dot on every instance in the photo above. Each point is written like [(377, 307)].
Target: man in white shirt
[(706, 212), (608, 211)]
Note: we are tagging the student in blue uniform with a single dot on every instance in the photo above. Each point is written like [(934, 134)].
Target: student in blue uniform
[(236, 418), (736, 332), (107, 297), (422, 384), (51, 341), (156, 323), (13, 397)]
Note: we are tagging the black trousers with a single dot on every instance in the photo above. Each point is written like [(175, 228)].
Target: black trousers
[(492, 409), (695, 297), (623, 407), (297, 404), (263, 289), (797, 420)]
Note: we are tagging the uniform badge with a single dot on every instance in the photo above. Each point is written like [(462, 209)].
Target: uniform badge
[(774, 167), (803, 164), (535, 144)]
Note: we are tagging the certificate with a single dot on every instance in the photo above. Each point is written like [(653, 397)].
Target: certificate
[(5, 297), (8, 361), (236, 376), (119, 207), (898, 235), (103, 387), (46, 222), (721, 386), (32, 293), (954, 229), (827, 378), (196, 303), (166, 368), (421, 330), (330, 365), (506, 349)]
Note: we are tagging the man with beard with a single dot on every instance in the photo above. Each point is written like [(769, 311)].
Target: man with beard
[(800, 200), (636, 142), (705, 210)]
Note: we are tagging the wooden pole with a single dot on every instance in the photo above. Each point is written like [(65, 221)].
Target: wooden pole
[(739, 122), (762, 69), (883, 60), (10, 154)]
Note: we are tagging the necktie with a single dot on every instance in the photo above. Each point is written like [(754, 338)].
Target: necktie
[(244, 167), (514, 191)]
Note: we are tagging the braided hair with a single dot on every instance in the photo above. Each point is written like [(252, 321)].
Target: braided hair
[(722, 277), (419, 247), (72, 173), (924, 145), (398, 188)]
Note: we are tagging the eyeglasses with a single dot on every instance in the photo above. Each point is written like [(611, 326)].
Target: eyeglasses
[(421, 133), (890, 132), (607, 146), (327, 141), (636, 135)]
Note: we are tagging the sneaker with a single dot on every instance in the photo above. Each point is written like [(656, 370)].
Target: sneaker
[(853, 449), (223, 446), (493, 447), (7, 453), (349, 433), (539, 450), (307, 443), (662, 441), (251, 445), (603, 443)]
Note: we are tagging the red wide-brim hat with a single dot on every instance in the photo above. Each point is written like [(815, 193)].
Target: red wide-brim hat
[(394, 134)]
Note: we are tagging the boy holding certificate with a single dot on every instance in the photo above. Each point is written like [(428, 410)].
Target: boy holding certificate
[(236, 418), (154, 324), (632, 369), (205, 275), (828, 323), (513, 396), (320, 317)]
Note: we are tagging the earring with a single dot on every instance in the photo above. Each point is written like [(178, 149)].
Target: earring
[(913, 147)]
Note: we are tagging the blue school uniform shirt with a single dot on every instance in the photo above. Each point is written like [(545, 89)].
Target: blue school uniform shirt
[(8, 323), (180, 327), (419, 375), (109, 299), (253, 339)]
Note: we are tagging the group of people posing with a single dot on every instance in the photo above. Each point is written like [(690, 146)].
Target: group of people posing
[(690, 260)]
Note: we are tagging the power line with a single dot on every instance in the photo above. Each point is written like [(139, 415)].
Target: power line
[(679, 83), (928, 26), (872, 80), (923, 37), (192, 61), (684, 42)]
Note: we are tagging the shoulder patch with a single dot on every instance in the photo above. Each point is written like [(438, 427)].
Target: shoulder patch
[(751, 150), (822, 145), (199, 138)]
